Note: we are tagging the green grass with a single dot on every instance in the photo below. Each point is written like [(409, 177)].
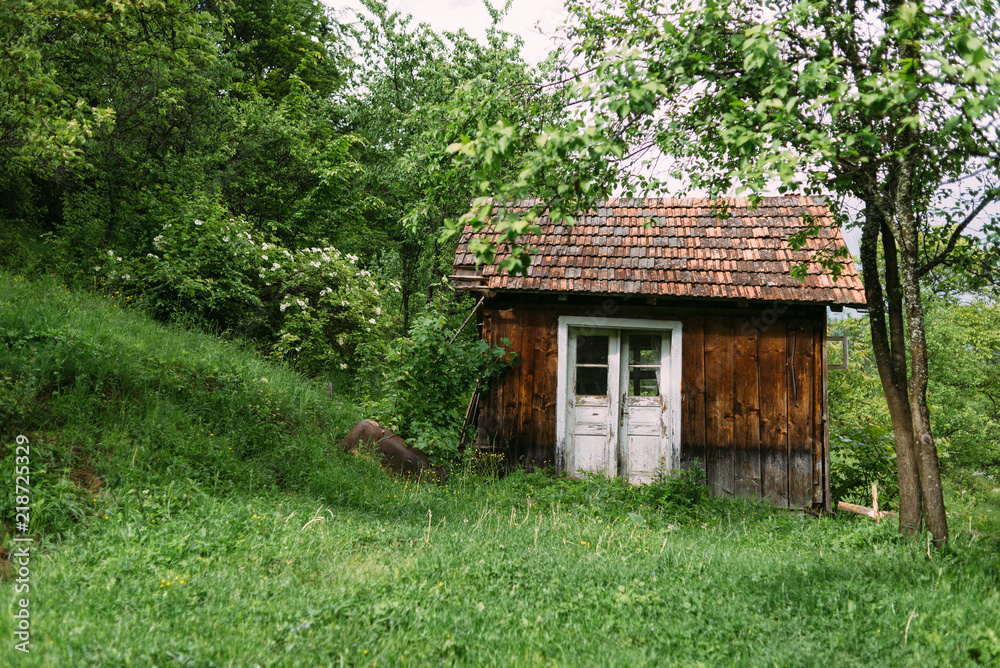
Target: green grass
[(282, 552)]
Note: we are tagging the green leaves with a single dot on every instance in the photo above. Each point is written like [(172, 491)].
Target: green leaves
[(433, 372)]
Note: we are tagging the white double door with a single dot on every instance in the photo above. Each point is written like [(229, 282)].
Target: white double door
[(617, 410)]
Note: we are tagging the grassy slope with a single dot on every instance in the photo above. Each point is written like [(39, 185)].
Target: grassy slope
[(226, 534)]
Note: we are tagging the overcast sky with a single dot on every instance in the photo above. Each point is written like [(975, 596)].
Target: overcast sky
[(534, 20)]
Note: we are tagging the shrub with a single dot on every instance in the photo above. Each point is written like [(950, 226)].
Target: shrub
[(204, 265), (685, 488), (316, 307), (431, 376), (862, 449), (332, 314), (862, 453)]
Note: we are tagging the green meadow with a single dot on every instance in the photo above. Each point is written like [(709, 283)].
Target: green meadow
[(190, 507)]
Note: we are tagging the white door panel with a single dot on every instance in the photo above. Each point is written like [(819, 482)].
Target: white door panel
[(593, 384), (618, 396), (644, 439), (617, 418)]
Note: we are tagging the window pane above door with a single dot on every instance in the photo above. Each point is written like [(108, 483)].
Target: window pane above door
[(644, 349), (592, 349), (592, 381)]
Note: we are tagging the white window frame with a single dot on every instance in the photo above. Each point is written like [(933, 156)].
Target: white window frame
[(673, 381)]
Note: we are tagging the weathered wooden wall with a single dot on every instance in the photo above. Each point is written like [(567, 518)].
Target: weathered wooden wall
[(753, 414), (518, 414), (753, 406)]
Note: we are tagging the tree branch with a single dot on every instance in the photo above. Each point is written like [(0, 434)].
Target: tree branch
[(956, 235)]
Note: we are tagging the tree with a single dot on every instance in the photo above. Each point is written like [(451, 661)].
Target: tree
[(964, 355), (418, 90), (285, 166), (892, 103), (151, 69), (270, 41), (41, 126)]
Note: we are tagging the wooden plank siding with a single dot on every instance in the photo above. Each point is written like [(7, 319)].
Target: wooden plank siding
[(548, 331), (518, 413), (746, 412), (511, 393), (800, 414), (526, 381), (719, 363), (693, 392), (739, 416), (773, 414)]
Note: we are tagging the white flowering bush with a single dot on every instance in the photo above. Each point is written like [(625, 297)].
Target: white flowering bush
[(333, 315), (316, 307), (203, 265)]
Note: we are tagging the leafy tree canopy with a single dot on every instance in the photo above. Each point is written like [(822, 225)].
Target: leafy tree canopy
[(269, 41)]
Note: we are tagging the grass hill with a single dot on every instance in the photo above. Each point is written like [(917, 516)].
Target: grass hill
[(190, 508)]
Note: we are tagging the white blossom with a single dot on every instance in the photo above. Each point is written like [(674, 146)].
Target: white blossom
[(371, 320), (275, 266), (264, 257), (197, 222), (119, 259), (283, 306), (125, 277), (226, 239), (112, 253), (378, 310), (343, 366), (314, 264)]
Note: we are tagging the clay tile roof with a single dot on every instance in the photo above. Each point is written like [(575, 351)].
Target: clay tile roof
[(685, 252)]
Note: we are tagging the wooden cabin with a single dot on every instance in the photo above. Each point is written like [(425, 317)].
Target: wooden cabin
[(654, 334)]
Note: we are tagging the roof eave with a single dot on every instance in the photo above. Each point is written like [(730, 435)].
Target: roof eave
[(861, 306)]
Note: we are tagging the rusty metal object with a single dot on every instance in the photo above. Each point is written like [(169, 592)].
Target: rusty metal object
[(392, 450)]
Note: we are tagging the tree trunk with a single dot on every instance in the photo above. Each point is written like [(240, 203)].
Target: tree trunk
[(112, 214), (927, 461), (890, 359), (932, 495)]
